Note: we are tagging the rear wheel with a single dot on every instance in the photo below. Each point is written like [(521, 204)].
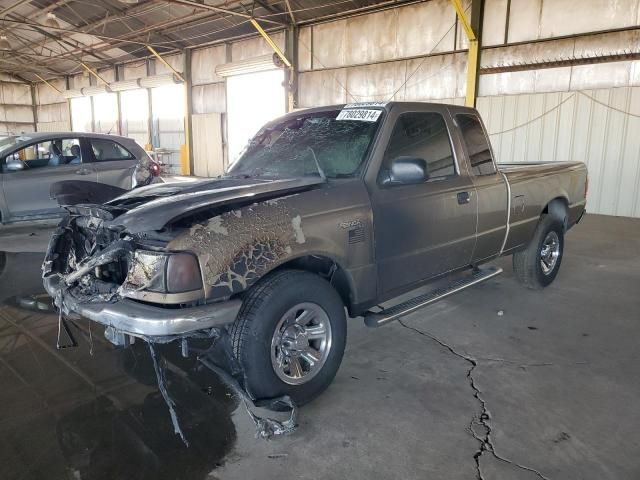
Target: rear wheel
[(537, 265), (290, 336)]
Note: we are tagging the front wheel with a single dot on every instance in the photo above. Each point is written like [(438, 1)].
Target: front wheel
[(537, 265), (290, 336)]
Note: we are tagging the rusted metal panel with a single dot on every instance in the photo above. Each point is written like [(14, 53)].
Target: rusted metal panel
[(568, 17), (304, 49), (376, 82), (16, 93), (524, 20), (209, 98), (16, 113), (371, 38), (176, 61), (422, 26), (55, 112), (135, 70), (329, 44), (45, 94), (436, 77), (322, 88), (203, 63), (494, 22), (78, 81), (254, 47)]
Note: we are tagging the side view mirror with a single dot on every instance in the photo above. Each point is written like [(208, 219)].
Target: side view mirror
[(14, 165), (406, 171)]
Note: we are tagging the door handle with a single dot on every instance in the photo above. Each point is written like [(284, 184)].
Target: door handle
[(83, 171), (464, 197)]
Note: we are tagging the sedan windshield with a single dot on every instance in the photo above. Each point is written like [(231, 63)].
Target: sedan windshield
[(321, 144)]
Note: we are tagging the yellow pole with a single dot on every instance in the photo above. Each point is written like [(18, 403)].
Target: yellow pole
[(52, 86), (271, 43), (166, 64), (474, 51), (95, 74), (472, 74)]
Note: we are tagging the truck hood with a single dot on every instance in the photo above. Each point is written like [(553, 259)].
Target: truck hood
[(151, 208)]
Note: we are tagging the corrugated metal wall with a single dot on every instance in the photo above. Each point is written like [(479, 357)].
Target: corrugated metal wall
[(546, 114), (52, 109), (16, 107), (598, 127), (413, 52)]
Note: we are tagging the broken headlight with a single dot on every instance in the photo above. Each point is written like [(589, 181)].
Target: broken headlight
[(164, 272)]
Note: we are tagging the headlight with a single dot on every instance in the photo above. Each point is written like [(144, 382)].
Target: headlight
[(164, 272), (183, 273)]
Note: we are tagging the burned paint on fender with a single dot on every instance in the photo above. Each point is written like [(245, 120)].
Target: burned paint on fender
[(237, 247)]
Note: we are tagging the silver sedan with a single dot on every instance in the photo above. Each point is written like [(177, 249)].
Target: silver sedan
[(31, 163)]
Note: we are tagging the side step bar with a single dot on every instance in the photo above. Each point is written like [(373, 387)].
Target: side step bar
[(377, 319)]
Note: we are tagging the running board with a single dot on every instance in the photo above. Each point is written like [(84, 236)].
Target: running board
[(377, 319)]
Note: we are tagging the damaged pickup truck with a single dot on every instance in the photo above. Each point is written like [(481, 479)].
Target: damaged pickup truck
[(326, 210)]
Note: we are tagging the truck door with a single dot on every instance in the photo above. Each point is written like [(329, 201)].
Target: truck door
[(427, 227), (490, 184)]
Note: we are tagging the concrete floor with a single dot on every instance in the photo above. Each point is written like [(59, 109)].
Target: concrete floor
[(498, 381)]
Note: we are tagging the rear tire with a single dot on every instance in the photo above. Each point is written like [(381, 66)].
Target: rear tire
[(290, 336), (538, 264)]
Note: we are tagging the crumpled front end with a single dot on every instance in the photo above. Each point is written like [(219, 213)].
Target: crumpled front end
[(100, 272)]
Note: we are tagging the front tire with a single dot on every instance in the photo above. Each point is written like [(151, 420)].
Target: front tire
[(537, 265), (290, 336)]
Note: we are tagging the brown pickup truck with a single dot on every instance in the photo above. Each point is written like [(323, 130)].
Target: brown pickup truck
[(326, 210)]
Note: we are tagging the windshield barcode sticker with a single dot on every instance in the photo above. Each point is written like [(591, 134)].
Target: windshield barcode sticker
[(359, 114)]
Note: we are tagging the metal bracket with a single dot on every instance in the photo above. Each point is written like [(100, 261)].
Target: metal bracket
[(166, 64), (271, 43)]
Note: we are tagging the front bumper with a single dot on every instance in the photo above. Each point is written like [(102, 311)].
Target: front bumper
[(143, 320)]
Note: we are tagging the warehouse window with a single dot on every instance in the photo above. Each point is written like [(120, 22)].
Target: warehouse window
[(81, 116), (477, 144), (253, 99)]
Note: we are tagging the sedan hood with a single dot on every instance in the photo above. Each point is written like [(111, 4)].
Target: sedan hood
[(151, 208)]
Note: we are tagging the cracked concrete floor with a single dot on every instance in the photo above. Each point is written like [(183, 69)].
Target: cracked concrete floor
[(557, 372), (498, 382)]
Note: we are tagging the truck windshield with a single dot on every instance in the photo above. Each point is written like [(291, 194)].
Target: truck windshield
[(311, 144)]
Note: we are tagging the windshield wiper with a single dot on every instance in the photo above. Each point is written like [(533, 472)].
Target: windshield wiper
[(320, 171)]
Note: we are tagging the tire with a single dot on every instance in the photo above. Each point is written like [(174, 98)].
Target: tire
[(531, 269), (271, 330)]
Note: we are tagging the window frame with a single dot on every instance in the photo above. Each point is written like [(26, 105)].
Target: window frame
[(464, 145), (90, 141), (454, 153)]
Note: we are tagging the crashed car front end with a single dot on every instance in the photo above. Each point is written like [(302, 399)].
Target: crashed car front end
[(130, 283)]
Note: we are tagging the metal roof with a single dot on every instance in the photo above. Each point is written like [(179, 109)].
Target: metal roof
[(102, 33)]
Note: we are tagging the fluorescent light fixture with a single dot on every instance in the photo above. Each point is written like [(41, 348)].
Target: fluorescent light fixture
[(159, 80)]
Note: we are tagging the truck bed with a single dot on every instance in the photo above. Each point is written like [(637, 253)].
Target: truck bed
[(536, 184)]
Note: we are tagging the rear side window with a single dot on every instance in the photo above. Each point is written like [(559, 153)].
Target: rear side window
[(422, 135), (477, 145), (108, 150)]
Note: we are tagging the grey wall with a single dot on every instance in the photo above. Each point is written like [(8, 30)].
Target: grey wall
[(16, 106)]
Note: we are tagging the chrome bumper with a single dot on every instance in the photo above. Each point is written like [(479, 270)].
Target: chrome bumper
[(142, 320)]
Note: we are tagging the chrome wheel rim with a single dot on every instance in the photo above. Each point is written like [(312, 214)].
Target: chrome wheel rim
[(549, 252), (301, 343)]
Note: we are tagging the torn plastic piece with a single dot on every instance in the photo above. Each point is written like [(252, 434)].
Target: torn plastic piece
[(165, 394), (265, 427), (62, 325)]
